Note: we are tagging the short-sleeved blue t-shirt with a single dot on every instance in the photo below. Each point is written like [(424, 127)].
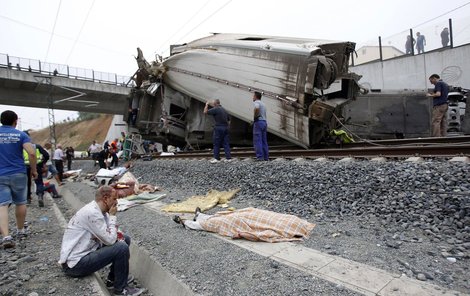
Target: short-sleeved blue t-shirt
[(442, 87), (11, 150), (221, 116)]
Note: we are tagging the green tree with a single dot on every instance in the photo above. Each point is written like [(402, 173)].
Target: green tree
[(87, 116)]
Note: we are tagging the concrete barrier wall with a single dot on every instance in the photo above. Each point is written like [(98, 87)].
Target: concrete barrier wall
[(412, 72)]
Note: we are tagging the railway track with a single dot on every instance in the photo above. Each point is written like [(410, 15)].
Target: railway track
[(429, 147)]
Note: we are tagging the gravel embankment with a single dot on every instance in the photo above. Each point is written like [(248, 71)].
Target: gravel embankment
[(398, 216), (411, 218), (31, 268)]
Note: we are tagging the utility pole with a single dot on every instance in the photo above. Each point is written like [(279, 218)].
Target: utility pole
[(50, 113)]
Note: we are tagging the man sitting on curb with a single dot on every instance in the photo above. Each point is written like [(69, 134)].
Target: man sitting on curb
[(91, 242)]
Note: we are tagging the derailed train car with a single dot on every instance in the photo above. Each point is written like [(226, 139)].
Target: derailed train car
[(305, 83), (392, 114)]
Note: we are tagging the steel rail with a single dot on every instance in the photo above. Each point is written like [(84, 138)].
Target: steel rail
[(443, 150)]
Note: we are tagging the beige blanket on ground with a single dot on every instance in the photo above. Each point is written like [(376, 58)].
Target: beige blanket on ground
[(258, 225), (204, 202)]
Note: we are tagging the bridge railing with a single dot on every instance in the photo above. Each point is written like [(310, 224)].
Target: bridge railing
[(60, 70), (439, 33)]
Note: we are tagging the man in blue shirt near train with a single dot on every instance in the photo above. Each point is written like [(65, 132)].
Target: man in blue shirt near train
[(220, 135), (13, 179), (260, 128), (440, 106)]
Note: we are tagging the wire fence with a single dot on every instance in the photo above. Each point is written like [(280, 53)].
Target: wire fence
[(60, 70), (434, 35)]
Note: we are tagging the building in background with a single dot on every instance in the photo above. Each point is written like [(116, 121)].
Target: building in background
[(371, 53)]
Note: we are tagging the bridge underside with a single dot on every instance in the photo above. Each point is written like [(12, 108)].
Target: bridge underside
[(32, 89)]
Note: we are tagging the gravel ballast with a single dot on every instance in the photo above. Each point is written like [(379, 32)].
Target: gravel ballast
[(402, 217)]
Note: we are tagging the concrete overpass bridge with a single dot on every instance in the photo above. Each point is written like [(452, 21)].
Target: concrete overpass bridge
[(31, 83)]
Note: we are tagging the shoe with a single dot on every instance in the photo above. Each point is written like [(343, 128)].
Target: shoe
[(110, 283), (214, 161), (41, 201), (130, 291), (177, 219), (57, 196), (8, 242), (22, 234), (228, 160)]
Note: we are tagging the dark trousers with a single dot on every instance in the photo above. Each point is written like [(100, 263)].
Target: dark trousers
[(114, 160), (260, 139), (102, 163), (117, 255), (39, 184), (59, 165), (69, 163), (221, 138)]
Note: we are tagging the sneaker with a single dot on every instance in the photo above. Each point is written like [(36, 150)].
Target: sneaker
[(228, 160), (110, 283), (57, 196), (8, 242), (41, 201), (22, 234), (130, 291), (214, 161)]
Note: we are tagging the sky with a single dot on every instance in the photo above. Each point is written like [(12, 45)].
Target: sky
[(103, 34)]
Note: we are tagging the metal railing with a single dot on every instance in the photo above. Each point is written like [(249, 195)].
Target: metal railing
[(60, 70), (435, 35)]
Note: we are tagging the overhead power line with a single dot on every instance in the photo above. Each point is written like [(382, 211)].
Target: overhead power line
[(206, 19), (80, 32), (434, 18), (189, 20), (53, 30), (63, 36)]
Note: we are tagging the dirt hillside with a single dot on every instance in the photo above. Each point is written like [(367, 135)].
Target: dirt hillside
[(77, 134)]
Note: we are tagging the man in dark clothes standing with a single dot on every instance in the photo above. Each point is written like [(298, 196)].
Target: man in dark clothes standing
[(220, 134), (102, 158), (440, 106), (69, 153)]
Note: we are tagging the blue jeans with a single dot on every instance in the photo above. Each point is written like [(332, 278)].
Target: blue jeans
[(13, 188), (260, 139), (220, 138), (117, 255)]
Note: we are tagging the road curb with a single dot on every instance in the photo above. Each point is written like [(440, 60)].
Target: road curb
[(95, 280)]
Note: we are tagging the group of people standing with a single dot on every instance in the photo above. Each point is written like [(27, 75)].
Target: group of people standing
[(222, 124), (420, 41), (108, 150)]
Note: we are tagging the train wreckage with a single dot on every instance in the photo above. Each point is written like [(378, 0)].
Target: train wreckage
[(306, 86)]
